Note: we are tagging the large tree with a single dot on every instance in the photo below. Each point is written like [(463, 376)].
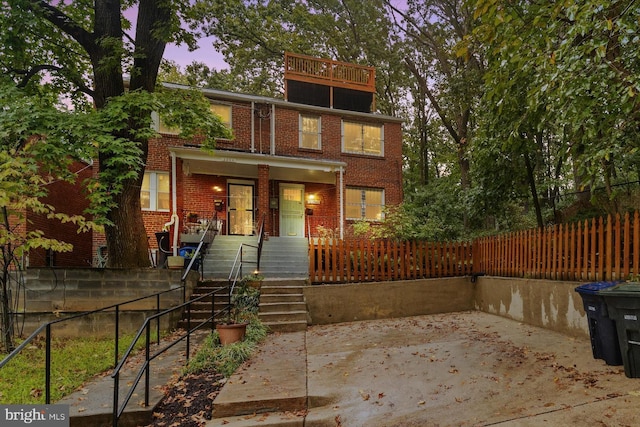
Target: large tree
[(84, 51), (570, 71)]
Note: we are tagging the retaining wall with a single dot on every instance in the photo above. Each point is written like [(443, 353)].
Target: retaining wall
[(545, 303), (380, 300), (52, 293)]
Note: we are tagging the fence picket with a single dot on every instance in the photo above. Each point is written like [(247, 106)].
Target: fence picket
[(603, 248)]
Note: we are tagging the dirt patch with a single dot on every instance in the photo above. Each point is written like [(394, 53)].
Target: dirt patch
[(188, 401)]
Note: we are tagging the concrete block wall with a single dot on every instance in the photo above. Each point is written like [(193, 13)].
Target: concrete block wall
[(51, 294)]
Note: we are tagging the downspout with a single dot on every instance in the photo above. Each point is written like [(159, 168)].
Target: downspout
[(175, 219), (273, 129), (253, 126), (341, 203)]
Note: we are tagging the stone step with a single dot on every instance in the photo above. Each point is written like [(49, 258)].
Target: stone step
[(274, 307), (283, 316), (281, 298), (270, 289), (287, 326)]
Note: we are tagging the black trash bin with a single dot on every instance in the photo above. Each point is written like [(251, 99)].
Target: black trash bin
[(623, 303), (602, 328), (164, 248)]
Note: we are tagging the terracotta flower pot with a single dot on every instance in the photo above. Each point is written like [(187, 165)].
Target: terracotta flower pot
[(230, 333)]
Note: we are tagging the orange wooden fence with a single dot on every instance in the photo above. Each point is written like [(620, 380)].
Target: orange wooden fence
[(605, 248), (343, 261), (597, 249)]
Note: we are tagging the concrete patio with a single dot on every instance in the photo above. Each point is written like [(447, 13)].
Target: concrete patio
[(458, 369)]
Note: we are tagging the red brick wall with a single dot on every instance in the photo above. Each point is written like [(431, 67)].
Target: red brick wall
[(58, 196)]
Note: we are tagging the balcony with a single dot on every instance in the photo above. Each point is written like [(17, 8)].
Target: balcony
[(329, 83)]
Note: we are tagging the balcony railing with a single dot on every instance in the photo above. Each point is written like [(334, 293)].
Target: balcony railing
[(328, 72)]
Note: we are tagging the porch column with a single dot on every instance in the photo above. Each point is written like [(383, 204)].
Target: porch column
[(263, 197)]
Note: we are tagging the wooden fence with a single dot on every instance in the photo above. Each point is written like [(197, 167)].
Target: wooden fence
[(343, 261), (597, 249), (605, 248)]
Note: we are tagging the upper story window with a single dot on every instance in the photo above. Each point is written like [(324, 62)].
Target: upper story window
[(310, 132), (362, 138), (223, 111), (364, 203), (154, 193)]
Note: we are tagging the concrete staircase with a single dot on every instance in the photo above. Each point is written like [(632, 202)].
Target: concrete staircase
[(282, 257), (282, 305), (201, 310)]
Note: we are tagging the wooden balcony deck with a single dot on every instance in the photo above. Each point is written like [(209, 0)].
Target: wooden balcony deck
[(329, 72)]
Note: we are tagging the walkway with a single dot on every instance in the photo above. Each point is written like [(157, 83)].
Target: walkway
[(459, 369)]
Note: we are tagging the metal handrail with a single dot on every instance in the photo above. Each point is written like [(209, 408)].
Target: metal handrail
[(47, 328), (196, 253), (238, 262), (118, 410)]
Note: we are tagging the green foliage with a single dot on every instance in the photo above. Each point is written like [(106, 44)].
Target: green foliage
[(570, 71), (226, 359), (245, 301), (74, 361)]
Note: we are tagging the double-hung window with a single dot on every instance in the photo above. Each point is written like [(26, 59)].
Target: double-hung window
[(154, 193), (223, 111), (362, 138), (364, 203), (310, 132)]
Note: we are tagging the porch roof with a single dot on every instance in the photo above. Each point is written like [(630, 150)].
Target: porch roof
[(244, 164)]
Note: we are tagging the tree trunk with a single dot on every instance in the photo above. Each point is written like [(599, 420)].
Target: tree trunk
[(534, 192)]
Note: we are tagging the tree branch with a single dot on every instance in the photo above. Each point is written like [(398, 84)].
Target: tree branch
[(64, 23), (28, 75), (423, 85)]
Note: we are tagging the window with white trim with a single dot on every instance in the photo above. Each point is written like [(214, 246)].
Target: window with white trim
[(223, 111), (362, 138), (310, 132), (154, 193), (364, 203)]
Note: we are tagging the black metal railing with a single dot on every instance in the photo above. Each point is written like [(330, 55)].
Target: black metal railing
[(47, 331), (198, 255), (236, 269), (118, 408)]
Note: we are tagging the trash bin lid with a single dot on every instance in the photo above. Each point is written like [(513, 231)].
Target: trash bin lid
[(595, 287), (630, 289)]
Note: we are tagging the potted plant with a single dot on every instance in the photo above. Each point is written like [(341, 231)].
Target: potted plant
[(244, 304), (253, 280)]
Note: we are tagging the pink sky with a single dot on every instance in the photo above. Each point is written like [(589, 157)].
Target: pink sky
[(205, 53)]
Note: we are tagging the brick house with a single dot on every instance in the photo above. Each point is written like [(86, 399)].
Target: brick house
[(309, 164)]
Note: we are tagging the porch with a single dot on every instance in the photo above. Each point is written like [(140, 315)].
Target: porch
[(296, 197)]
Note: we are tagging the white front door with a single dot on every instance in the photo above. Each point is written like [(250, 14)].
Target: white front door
[(291, 210)]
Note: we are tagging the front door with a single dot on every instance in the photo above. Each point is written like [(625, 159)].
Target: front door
[(291, 210), (240, 210)]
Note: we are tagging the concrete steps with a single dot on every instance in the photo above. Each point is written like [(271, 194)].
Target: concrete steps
[(201, 310), (282, 257), (282, 305)]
